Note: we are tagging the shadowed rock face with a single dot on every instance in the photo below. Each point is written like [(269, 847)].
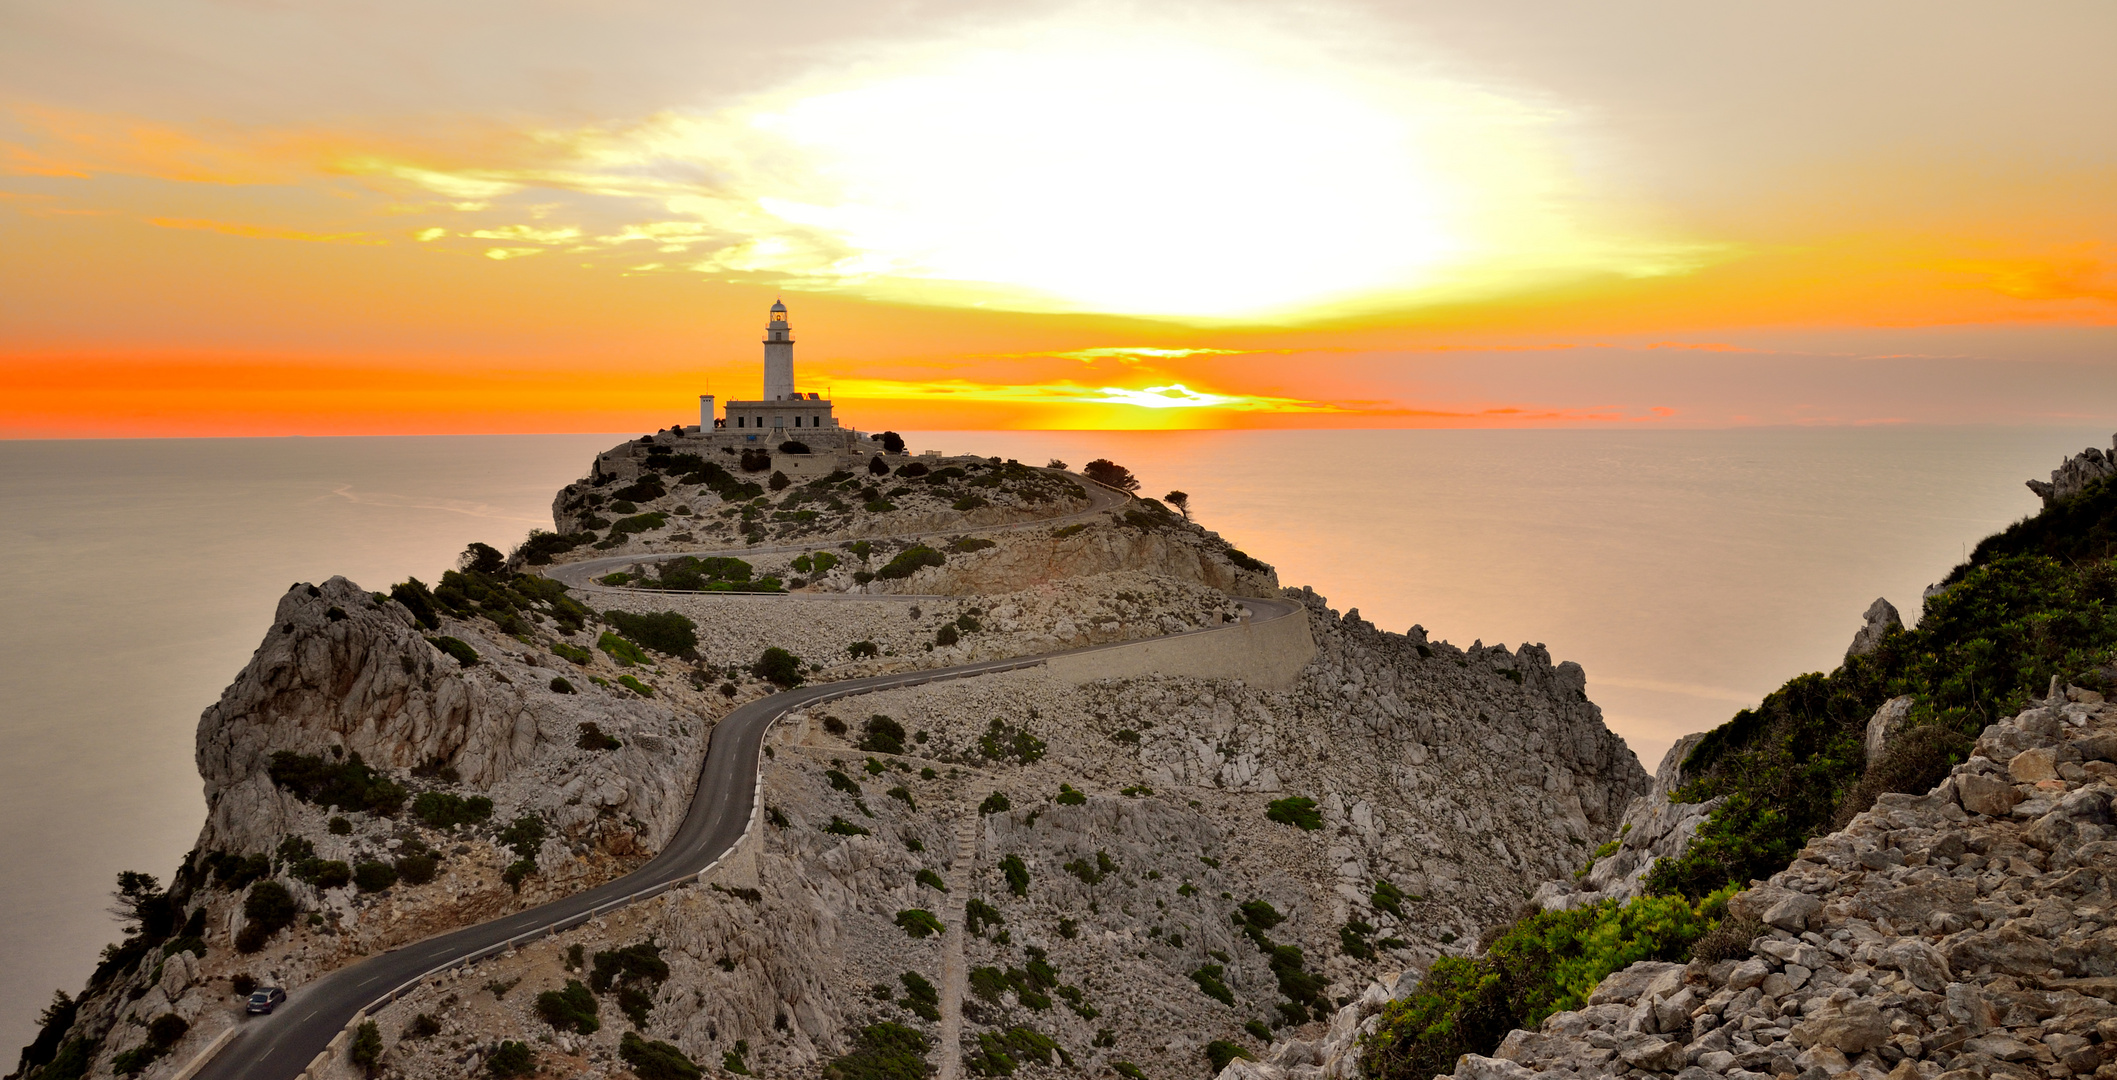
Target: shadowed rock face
[(361, 681)]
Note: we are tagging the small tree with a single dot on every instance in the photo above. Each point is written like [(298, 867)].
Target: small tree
[(892, 442), (482, 559), (367, 1047), (877, 467), (1110, 474), (779, 667), (1181, 501), (1055, 463), (779, 481)]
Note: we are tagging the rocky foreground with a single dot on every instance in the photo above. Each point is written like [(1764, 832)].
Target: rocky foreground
[(1966, 933)]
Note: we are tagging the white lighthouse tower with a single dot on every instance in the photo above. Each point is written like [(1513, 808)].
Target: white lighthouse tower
[(778, 355), (782, 413)]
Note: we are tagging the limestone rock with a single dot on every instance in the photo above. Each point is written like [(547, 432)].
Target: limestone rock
[(1881, 619)]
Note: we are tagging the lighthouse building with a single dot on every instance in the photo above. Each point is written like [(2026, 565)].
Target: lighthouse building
[(797, 427)]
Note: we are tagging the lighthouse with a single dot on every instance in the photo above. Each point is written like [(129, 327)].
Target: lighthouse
[(778, 355)]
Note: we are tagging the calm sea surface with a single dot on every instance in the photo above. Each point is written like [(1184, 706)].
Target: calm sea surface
[(1689, 572)]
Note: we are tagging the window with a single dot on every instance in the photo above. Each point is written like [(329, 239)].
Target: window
[(739, 421), (797, 421)]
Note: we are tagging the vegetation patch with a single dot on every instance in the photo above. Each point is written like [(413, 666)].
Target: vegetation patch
[(1546, 963), (341, 785), (919, 922), (655, 1060), (665, 632), (1005, 742), (1299, 811), (885, 1051), (571, 1009), (445, 810), (624, 652), (910, 560)]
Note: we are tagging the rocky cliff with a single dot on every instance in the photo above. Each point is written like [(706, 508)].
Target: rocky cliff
[(1134, 898)]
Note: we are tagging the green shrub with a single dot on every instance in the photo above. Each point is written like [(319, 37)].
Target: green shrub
[(413, 594), (636, 686), (373, 876), (573, 1008), (268, 909), (1913, 764), (638, 523), (920, 997), (946, 635), (366, 1050), (1208, 979), (841, 782), (342, 785), (863, 650), (322, 874), (999, 1053), (995, 803), (910, 560), (443, 810), (778, 667), (341, 827), (977, 915), (1128, 1070), (841, 827), (919, 923), (656, 1060), (1546, 963), (665, 632), (1353, 938), (1070, 796), (640, 962), (885, 1051), (1220, 1051), (457, 648), (884, 736), (1017, 875), (1092, 873), (1299, 811), (524, 835), (1002, 742), (903, 794), (574, 653), (511, 1059), (624, 652), (970, 502)]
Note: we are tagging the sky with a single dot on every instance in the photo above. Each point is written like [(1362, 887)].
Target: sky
[(274, 217)]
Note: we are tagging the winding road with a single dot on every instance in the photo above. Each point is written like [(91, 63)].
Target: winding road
[(283, 1045)]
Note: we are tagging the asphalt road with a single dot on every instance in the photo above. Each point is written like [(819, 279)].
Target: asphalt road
[(283, 1044)]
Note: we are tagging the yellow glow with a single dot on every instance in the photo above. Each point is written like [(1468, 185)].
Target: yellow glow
[(1174, 396), (1243, 170)]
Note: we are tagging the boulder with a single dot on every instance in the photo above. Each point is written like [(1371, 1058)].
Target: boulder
[(2029, 766), (1477, 1067), (1649, 978), (1886, 723), (1984, 795), (1653, 1055), (1921, 963), (1852, 1028)]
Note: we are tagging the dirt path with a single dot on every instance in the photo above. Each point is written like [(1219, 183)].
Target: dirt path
[(961, 872)]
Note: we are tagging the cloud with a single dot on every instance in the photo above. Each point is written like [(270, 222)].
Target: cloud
[(265, 232)]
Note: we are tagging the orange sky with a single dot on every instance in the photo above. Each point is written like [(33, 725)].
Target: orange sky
[(216, 220)]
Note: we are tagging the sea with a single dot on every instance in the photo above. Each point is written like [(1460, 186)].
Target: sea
[(1689, 572)]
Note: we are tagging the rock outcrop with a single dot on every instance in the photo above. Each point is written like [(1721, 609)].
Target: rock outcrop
[(2073, 475), (1654, 827), (1881, 620)]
